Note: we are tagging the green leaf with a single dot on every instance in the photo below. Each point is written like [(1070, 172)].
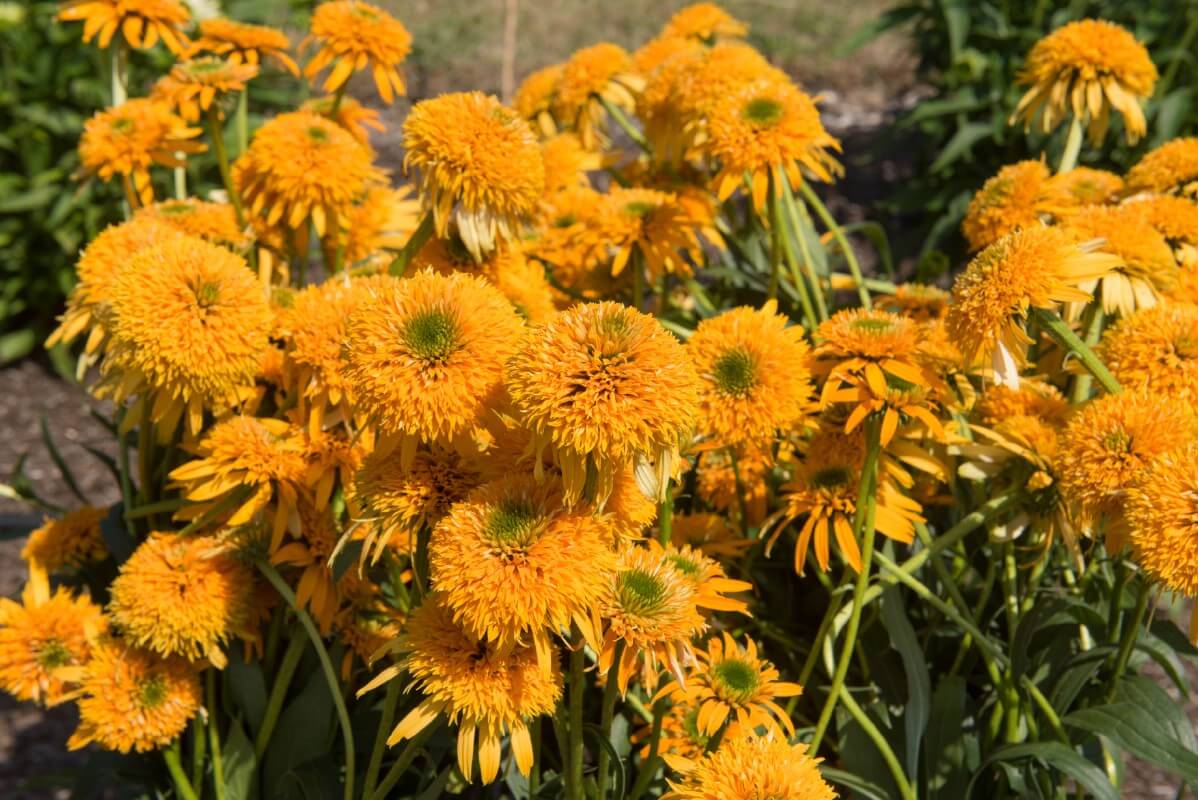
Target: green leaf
[(36, 198), (871, 30), (239, 764), (946, 746), (956, 19), (878, 238), (1140, 732), (303, 733), (247, 686), (116, 536), (68, 477), (1148, 695), (965, 138), (859, 786), (346, 557), (595, 734), (16, 345), (919, 684), (1056, 755)]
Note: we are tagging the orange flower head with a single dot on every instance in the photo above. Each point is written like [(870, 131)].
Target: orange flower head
[(213, 222), (241, 43), (534, 98), (1171, 168), (1163, 520), (706, 22), (1155, 350), (747, 767), (192, 88), (592, 75), (73, 540), (141, 23), (1010, 200), (351, 35)]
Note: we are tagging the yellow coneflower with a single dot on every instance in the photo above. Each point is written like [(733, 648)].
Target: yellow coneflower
[(1110, 442), (1080, 187), (706, 22), (188, 328), (601, 73), (1176, 219), (1155, 350), (1146, 267), (710, 534), (628, 508), (733, 682), (311, 553), (366, 623), (45, 638), (706, 575), (680, 743), (73, 540), (604, 387), (728, 477), (358, 120), (1030, 268), (133, 700), (767, 129), (479, 166), (377, 226), (126, 140), (193, 87), (648, 60), (447, 334), (1163, 526), (487, 694), (141, 23), (258, 458), (213, 222), (658, 227), (825, 489), (747, 767), (351, 35), (182, 596), (652, 608), (534, 98), (1087, 68), (1171, 168), (920, 301), (576, 228), (665, 62), (241, 43), (567, 162), (490, 555), (1042, 400), (755, 373), (506, 268), (301, 167), (876, 347), (1012, 199)]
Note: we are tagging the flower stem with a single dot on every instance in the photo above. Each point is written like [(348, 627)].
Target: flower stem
[(242, 120), (402, 763), (278, 692), (792, 212), (780, 240), (120, 84), (1073, 146), (577, 686), (1082, 383), (638, 279), (864, 527), (218, 769), (875, 735), (649, 765), (326, 664), (666, 518), (850, 256), (617, 113), (399, 266), (216, 132), (610, 690), (380, 738), (1127, 641), (183, 786), (199, 751), (1060, 331)]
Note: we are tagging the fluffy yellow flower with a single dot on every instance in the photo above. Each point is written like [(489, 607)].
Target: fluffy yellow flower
[(1163, 525), (194, 87), (534, 98), (751, 767), (1146, 267), (733, 481), (657, 226), (710, 534), (567, 162), (133, 700), (1085, 69), (378, 225), (242, 43), (351, 35), (1010, 200), (604, 387), (919, 301), (595, 75), (706, 22), (45, 639), (1171, 168), (182, 595), (141, 23), (213, 222), (506, 268), (71, 541), (479, 166), (1155, 350)]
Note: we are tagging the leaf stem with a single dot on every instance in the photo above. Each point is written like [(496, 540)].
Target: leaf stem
[(278, 692), (850, 256), (1060, 331), (577, 687), (399, 266), (182, 785), (884, 749), (610, 691), (617, 113), (380, 737), (218, 769)]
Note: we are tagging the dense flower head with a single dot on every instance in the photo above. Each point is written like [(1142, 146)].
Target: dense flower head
[(733, 480), (1033, 267), (45, 639), (351, 35), (182, 595), (489, 558), (479, 166), (189, 325), (70, 541), (567, 162), (706, 22), (712, 586), (755, 374), (350, 114), (141, 23), (301, 166), (517, 278), (1156, 350), (425, 354), (1011, 199), (193, 88), (242, 43), (577, 227), (213, 222), (534, 98), (701, 81), (1081, 186), (601, 72), (605, 387), (126, 140), (1176, 219), (1109, 443), (748, 767), (919, 301), (134, 700), (487, 693), (1087, 68), (1162, 514), (1146, 265), (659, 226), (1171, 168), (768, 128), (710, 533), (1044, 401)]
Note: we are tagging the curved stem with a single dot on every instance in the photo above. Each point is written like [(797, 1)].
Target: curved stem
[(402, 763), (850, 256), (649, 765), (866, 505), (182, 785), (1046, 709), (610, 690), (875, 735), (1060, 331), (617, 113), (1082, 383), (781, 240), (792, 211), (423, 231), (218, 769), (326, 664), (380, 738), (1127, 641), (216, 132), (577, 687), (242, 122), (1073, 146), (278, 692)]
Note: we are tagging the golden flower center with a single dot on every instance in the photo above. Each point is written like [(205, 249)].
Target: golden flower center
[(735, 372), (175, 209), (639, 208), (122, 125), (1118, 441), (52, 654), (318, 134), (431, 335), (640, 592), (151, 691), (1185, 347), (735, 679), (762, 111), (565, 221)]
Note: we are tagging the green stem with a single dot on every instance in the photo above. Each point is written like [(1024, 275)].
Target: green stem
[(127, 499), (792, 211), (242, 121), (199, 749), (1010, 587), (834, 601), (775, 240), (338, 96), (1082, 383), (326, 664), (183, 786), (402, 763), (1127, 641), (145, 455), (1046, 709), (610, 691), (1073, 146), (617, 113), (278, 692), (832, 225), (577, 687), (638, 279), (1060, 331), (120, 86), (216, 132), (218, 769), (534, 775), (875, 735), (399, 266), (863, 527), (781, 239), (666, 518), (380, 738), (649, 766)]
